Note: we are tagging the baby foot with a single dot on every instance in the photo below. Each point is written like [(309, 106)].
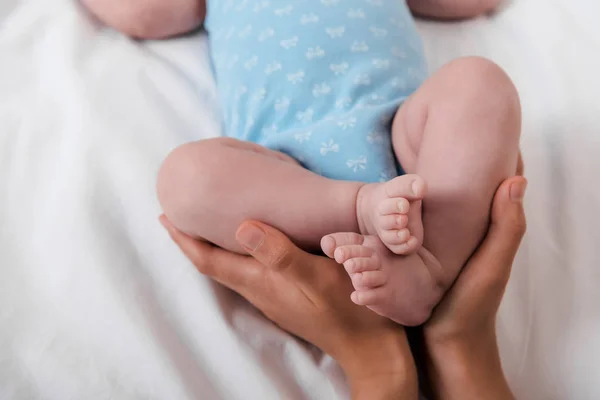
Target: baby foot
[(402, 288), (392, 211)]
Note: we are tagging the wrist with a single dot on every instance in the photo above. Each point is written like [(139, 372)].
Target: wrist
[(466, 369), (395, 386), (380, 366)]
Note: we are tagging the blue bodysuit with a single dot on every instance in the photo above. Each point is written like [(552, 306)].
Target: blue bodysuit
[(319, 80)]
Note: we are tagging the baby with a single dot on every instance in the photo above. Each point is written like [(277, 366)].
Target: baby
[(325, 103)]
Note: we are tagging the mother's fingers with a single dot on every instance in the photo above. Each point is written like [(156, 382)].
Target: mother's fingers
[(237, 272), (271, 248), (493, 260)]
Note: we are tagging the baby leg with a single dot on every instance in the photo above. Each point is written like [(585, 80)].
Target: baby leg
[(149, 19), (208, 188), (460, 132)]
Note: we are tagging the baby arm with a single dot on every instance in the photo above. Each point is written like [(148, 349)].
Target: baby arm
[(451, 9), (149, 19)]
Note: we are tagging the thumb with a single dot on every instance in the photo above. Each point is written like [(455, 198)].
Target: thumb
[(495, 256), (268, 246)]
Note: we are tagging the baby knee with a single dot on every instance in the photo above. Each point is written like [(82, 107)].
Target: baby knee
[(486, 93), (149, 19), (485, 84), (186, 178)]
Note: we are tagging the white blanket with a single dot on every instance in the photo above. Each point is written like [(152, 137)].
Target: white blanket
[(97, 303)]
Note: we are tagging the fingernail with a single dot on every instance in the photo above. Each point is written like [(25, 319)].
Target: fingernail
[(517, 191), (163, 222), (250, 236)]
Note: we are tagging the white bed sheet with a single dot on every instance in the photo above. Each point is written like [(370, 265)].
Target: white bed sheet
[(96, 302)]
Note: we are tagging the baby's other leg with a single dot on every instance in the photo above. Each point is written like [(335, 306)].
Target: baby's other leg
[(208, 188), (149, 19), (460, 132)]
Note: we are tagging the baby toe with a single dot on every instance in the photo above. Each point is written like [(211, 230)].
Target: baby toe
[(393, 222), (330, 243), (362, 264), (398, 205), (345, 253), (368, 279), (368, 297), (412, 187), (409, 246), (395, 237)]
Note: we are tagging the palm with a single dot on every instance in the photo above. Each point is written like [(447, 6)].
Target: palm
[(322, 295)]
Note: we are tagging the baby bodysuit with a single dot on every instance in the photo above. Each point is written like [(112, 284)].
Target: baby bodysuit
[(319, 80)]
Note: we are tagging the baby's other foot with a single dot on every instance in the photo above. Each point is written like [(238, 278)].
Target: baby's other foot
[(358, 254), (397, 287), (392, 211)]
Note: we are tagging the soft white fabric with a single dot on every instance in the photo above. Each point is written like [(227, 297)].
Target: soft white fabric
[(96, 302)]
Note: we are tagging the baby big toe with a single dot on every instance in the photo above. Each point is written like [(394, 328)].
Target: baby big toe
[(330, 243), (412, 187)]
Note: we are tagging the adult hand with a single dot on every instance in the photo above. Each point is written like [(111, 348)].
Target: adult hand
[(309, 296), (460, 337)]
